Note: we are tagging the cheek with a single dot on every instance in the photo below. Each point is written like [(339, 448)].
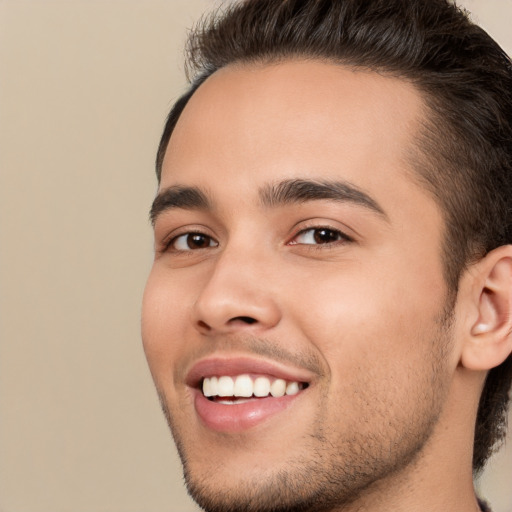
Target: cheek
[(380, 345), (367, 317), (163, 319)]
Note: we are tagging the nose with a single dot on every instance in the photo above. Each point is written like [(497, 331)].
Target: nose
[(237, 296)]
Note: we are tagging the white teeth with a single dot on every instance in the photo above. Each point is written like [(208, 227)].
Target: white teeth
[(244, 386), (292, 388), (207, 387), (211, 387), (261, 386), (226, 386), (278, 388)]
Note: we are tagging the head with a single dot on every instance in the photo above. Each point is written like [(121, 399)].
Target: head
[(448, 90)]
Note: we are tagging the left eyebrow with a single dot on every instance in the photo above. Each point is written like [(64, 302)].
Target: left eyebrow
[(301, 191)]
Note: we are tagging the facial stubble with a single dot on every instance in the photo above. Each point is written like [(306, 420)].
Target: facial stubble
[(334, 470)]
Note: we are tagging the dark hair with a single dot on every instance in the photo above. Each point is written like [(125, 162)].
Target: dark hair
[(464, 149)]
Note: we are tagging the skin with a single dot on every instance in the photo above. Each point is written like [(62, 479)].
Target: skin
[(387, 419)]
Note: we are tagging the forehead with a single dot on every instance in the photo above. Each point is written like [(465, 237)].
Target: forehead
[(255, 123)]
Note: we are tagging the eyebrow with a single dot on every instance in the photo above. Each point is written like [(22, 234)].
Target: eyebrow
[(301, 191), (294, 191), (188, 198)]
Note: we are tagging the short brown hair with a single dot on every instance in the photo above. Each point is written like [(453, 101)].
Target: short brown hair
[(465, 145)]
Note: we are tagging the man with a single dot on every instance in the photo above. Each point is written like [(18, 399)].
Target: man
[(327, 320)]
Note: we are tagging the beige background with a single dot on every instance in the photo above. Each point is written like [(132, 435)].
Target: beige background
[(84, 89)]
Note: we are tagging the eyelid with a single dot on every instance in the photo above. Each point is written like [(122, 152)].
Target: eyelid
[(341, 236), (312, 225), (171, 246), (167, 241), (340, 240)]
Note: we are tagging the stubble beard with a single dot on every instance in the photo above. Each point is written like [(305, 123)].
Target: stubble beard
[(335, 472)]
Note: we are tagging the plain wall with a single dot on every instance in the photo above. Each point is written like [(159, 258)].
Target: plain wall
[(85, 86)]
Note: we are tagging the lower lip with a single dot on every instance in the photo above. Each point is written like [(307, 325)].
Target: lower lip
[(239, 417)]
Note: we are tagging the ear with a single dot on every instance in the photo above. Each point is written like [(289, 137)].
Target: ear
[(489, 340)]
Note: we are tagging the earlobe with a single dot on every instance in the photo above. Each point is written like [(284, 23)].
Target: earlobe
[(489, 341)]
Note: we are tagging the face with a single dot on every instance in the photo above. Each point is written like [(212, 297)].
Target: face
[(298, 279)]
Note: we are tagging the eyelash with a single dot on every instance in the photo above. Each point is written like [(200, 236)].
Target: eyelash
[(341, 238), (168, 245)]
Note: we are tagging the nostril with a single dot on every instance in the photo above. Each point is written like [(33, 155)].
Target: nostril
[(245, 319)]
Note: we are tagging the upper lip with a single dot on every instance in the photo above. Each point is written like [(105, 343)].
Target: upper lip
[(218, 366)]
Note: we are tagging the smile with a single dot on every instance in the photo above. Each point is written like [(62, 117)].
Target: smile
[(237, 394), (245, 386)]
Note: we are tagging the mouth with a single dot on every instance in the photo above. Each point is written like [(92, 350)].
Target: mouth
[(232, 390), (233, 395)]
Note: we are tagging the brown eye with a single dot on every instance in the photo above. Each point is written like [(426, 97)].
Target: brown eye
[(325, 236), (320, 236), (191, 241), (198, 241)]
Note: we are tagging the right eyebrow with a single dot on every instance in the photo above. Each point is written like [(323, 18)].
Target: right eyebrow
[(177, 196)]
